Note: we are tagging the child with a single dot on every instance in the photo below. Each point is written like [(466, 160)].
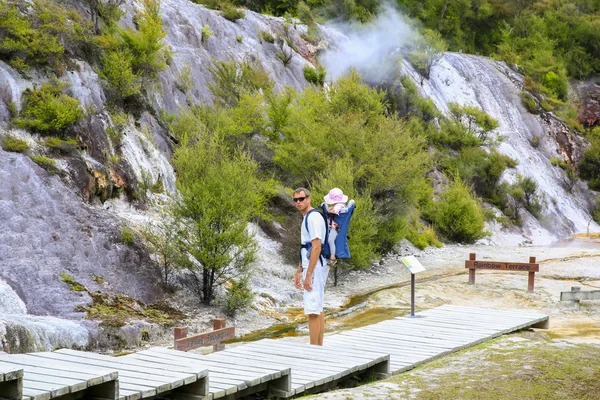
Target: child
[(336, 204)]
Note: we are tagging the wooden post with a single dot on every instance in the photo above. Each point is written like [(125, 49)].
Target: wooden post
[(179, 332), (530, 281), (218, 323), (472, 257)]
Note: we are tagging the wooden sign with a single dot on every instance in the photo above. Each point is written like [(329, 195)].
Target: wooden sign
[(212, 338), (531, 267)]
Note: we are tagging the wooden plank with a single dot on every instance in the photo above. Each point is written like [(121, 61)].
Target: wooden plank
[(205, 339), (581, 295), (162, 380), (364, 359), (212, 365), (55, 389), (90, 379), (31, 360), (132, 364), (11, 382), (124, 364), (214, 372), (36, 394), (72, 385), (489, 311)]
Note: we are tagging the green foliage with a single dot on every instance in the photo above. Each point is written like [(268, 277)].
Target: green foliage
[(14, 144), (118, 72), (232, 14), (480, 169), (349, 123), (127, 236), (145, 44), (266, 37), (220, 193), (458, 215), (63, 145), (589, 166), (238, 296), (206, 33), (525, 192), (239, 38), (163, 239), (75, 286), (422, 236), (232, 79), (529, 102), (47, 163), (40, 34), (427, 50), (315, 75), (48, 110)]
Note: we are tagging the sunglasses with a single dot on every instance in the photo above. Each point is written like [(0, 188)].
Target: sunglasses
[(297, 199)]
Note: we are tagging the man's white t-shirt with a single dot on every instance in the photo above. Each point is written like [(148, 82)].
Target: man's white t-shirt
[(316, 229)]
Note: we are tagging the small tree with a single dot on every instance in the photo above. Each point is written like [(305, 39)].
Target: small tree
[(163, 239), (221, 193), (427, 51)]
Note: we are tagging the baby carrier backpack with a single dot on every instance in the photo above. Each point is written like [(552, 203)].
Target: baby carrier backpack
[(342, 249)]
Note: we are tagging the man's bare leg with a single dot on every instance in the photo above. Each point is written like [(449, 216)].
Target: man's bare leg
[(321, 328), (314, 328)]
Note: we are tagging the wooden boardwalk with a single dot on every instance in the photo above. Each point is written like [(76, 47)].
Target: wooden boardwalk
[(430, 334), (280, 367)]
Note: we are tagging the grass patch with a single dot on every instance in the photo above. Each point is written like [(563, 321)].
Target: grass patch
[(47, 163), (118, 310), (523, 370), (75, 286), (16, 145)]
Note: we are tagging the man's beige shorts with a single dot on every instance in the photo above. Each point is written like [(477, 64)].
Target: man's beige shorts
[(313, 300)]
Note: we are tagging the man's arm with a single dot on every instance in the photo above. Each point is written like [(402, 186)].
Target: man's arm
[(298, 276), (315, 253)]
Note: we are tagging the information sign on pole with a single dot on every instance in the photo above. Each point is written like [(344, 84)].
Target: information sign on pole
[(414, 266)]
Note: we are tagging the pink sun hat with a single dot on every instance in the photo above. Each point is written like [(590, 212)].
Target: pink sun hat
[(335, 195)]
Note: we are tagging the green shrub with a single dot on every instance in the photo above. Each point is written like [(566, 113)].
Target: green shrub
[(238, 296), (47, 163), (529, 102), (422, 237), (206, 33), (265, 36), (148, 51), (14, 144), (233, 79), (48, 110), (458, 215), (232, 14), (117, 70), (315, 75), (239, 38), (127, 236), (589, 166), (64, 145)]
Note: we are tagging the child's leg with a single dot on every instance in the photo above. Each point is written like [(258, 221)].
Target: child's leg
[(332, 235)]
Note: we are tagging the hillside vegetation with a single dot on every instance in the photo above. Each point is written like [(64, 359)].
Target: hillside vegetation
[(238, 160)]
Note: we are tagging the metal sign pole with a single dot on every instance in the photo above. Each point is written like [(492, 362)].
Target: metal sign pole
[(412, 295)]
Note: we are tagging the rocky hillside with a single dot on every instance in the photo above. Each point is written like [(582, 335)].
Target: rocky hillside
[(58, 225)]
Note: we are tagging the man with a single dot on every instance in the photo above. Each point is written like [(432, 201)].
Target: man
[(312, 268)]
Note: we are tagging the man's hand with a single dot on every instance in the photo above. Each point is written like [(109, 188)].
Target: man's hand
[(308, 282), (297, 279)]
